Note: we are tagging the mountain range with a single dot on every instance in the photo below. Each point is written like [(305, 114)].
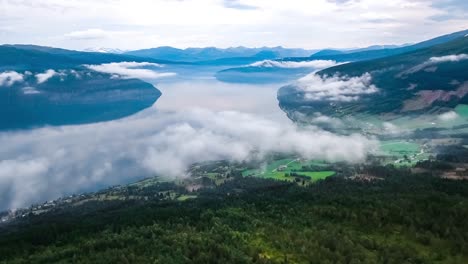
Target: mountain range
[(212, 53), (291, 68)]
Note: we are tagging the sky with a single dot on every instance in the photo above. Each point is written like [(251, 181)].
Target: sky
[(312, 24)]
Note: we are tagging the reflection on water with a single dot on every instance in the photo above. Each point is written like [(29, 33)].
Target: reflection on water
[(202, 90), (48, 162), (196, 119)]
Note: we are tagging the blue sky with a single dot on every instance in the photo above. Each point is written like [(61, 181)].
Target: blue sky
[(314, 24)]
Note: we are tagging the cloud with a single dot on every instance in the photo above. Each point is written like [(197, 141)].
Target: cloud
[(392, 129), (46, 163), (433, 61), (43, 77), (30, 90), (317, 64), (8, 78), (227, 23), (449, 58), (448, 116), (93, 33), (336, 88), (236, 4), (131, 70)]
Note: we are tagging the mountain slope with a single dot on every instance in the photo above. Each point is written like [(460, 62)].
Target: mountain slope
[(277, 71), (432, 80), (360, 55), (31, 57)]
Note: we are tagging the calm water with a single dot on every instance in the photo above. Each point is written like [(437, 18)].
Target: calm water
[(46, 163), (208, 93)]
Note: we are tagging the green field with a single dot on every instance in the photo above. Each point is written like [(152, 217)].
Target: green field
[(400, 148), (405, 153), (186, 197), (462, 110), (270, 170)]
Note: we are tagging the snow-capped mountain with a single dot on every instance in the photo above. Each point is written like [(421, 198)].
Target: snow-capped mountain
[(105, 50)]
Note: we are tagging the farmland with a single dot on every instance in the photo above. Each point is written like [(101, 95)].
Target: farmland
[(289, 169)]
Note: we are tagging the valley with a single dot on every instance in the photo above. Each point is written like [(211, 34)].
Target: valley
[(234, 154)]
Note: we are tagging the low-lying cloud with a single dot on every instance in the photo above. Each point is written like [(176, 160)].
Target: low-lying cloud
[(449, 58), (448, 116), (336, 88), (434, 61), (317, 64), (8, 78), (43, 77), (131, 70), (46, 163)]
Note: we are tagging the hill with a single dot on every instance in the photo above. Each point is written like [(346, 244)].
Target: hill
[(375, 53), (48, 86), (426, 81), (31, 57), (399, 219)]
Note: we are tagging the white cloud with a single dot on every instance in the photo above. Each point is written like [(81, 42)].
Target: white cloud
[(30, 90), (336, 88), (433, 61), (131, 70), (44, 163), (392, 129), (449, 58), (8, 78), (43, 77), (150, 23), (448, 116), (317, 64), (93, 33)]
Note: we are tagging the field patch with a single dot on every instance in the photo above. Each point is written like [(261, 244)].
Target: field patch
[(292, 170)]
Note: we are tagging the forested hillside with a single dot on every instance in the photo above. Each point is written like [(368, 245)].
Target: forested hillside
[(402, 219)]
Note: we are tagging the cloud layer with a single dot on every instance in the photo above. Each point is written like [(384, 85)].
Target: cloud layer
[(43, 77), (296, 23), (45, 163), (131, 70), (316, 64), (336, 88)]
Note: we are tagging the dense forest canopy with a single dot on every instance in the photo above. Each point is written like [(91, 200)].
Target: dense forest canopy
[(401, 219)]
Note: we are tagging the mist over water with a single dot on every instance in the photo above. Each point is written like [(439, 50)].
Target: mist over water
[(196, 119)]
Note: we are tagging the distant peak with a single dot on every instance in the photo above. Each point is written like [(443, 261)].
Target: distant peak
[(104, 50)]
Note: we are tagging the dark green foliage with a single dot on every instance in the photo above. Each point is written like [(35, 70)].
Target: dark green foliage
[(403, 219)]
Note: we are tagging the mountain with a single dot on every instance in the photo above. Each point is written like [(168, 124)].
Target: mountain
[(213, 54), (428, 81), (47, 86), (375, 53), (105, 50), (378, 47), (259, 73), (31, 57), (281, 70)]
